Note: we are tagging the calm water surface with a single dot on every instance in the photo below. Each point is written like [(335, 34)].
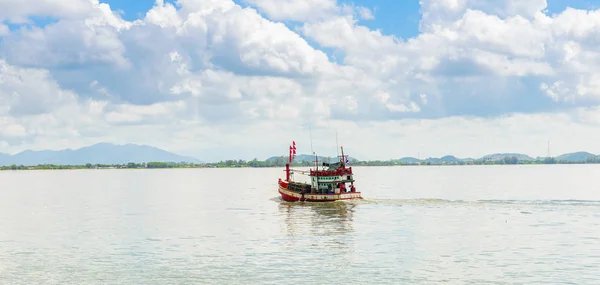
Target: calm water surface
[(417, 225)]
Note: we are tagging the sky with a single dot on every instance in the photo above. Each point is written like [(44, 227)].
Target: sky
[(223, 79)]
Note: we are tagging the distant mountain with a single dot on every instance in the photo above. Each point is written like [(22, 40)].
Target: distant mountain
[(308, 157), (444, 159), (101, 153), (576, 156), (409, 160), (450, 158), (501, 156), (581, 156)]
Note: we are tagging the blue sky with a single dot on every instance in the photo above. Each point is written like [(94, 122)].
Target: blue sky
[(400, 18), (213, 80)]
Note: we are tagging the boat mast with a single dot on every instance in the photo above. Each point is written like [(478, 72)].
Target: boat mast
[(287, 172), (343, 158), (316, 172), (336, 143), (287, 166), (310, 134)]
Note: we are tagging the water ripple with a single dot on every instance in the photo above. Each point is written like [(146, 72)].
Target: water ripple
[(172, 227)]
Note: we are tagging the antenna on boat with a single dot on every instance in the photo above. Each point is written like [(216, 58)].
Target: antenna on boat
[(310, 133), (343, 158), (337, 144)]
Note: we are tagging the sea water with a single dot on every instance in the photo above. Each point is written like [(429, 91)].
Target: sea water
[(530, 224)]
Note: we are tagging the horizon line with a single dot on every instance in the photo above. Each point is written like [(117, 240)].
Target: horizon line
[(304, 154)]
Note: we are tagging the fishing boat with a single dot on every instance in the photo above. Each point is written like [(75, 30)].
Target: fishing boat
[(331, 182)]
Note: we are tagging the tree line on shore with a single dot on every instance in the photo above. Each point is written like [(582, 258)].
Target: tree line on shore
[(281, 161)]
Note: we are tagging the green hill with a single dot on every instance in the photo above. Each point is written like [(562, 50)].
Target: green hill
[(501, 156), (408, 160), (575, 156), (308, 158)]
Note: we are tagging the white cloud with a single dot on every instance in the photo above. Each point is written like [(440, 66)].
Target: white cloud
[(4, 30), (264, 45), (365, 13), (412, 107), (423, 98), (555, 91), (577, 24), (19, 11), (439, 12), (207, 73), (12, 130), (308, 10), (296, 10), (164, 15), (131, 114), (67, 43), (26, 91)]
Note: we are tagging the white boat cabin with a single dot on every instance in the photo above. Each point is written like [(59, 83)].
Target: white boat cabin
[(334, 180)]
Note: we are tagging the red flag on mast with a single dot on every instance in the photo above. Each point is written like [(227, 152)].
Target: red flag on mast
[(294, 147)]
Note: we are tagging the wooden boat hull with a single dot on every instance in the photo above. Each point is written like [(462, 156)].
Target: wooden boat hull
[(291, 196)]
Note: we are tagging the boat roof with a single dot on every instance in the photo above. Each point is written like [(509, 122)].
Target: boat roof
[(332, 166)]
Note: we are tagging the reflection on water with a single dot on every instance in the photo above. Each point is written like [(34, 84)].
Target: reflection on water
[(323, 228), (320, 219)]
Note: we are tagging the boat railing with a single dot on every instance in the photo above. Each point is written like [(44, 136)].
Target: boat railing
[(331, 172)]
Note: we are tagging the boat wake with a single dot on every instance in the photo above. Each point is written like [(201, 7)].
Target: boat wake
[(492, 202), (458, 203)]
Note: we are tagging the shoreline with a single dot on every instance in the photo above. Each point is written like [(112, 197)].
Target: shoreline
[(213, 166)]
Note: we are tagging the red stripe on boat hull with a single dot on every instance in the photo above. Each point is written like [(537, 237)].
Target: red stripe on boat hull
[(288, 198), (291, 196)]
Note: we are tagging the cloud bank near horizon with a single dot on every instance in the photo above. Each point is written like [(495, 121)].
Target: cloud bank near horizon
[(219, 79)]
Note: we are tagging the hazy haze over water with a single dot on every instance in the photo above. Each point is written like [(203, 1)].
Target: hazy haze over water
[(531, 224)]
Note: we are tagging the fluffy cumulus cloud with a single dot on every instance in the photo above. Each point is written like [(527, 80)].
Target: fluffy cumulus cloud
[(217, 80), (297, 10)]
